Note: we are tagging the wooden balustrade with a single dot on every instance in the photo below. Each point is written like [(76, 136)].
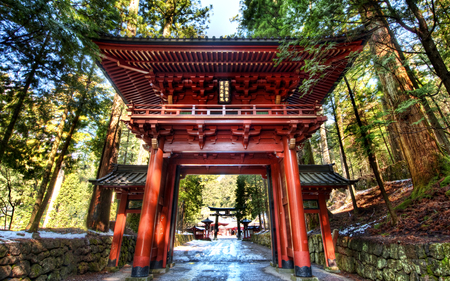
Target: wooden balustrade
[(217, 110)]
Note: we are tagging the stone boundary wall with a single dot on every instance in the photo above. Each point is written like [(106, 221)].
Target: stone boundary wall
[(262, 239), (394, 261), (180, 239), (376, 261), (55, 259)]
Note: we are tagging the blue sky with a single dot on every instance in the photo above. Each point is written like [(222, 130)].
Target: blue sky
[(222, 11)]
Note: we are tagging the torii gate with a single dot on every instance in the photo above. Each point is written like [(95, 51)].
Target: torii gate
[(219, 105)]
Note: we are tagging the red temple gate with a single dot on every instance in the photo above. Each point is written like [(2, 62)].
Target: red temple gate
[(210, 106)]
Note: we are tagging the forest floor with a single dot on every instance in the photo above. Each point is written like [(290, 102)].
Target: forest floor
[(425, 219)]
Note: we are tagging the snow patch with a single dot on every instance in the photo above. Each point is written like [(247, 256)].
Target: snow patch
[(356, 229), (11, 235)]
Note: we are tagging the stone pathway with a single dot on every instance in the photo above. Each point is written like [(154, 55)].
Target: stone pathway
[(227, 259)]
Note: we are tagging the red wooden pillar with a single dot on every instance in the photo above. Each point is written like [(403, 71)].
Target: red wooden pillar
[(283, 259), (328, 246), (286, 261), (147, 223), (169, 201), (302, 262), (119, 227)]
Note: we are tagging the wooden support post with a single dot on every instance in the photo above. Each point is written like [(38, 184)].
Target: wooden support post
[(157, 260), (276, 212), (147, 223), (173, 217), (119, 228), (273, 220), (328, 246), (285, 261), (216, 225), (302, 262), (169, 200)]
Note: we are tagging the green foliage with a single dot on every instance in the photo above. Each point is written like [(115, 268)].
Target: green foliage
[(72, 203), (445, 182), (183, 18), (190, 198)]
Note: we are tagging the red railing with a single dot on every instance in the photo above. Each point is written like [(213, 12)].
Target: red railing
[(217, 110)]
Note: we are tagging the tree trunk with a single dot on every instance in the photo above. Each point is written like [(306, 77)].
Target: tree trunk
[(100, 206), (266, 202), (20, 99), (368, 147), (418, 146), (324, 144), (55, 193), (344, 159), (394, 138), (48, 168), (305, 155), (35, 224), (413, 82), (429, 46), (133, 10)]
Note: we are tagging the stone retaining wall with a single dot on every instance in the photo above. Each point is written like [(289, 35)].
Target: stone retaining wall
[(55, 259), (180, 239), (376, 261), (262, 239)]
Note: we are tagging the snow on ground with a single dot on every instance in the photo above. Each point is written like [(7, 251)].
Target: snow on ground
[(358, 228), (11, 235)]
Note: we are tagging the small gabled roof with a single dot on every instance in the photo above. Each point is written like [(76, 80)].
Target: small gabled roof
[(124, 176), (321, 175)]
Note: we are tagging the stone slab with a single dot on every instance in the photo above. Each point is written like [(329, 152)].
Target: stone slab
[(148, 278), (285, 270), (296, 278), (159, 270)]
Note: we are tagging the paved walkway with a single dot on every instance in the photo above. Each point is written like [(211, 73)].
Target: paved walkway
[(227, 259)]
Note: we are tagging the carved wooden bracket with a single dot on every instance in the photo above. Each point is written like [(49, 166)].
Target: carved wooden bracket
[(201, 133), (246, 133)]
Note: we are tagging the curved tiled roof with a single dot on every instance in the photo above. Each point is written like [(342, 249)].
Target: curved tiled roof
[(310, 176), (123, 176)]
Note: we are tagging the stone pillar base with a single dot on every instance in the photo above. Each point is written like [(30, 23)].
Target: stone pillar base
[(112, 268), (285, 270), (148, 278), (273, 264), (296, 278), (159, 270), (333, 269)]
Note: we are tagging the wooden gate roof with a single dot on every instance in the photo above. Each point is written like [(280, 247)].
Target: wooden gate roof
[(310, 176), (138, 66)]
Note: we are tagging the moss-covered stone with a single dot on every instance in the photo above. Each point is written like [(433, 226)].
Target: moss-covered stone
[(82, 267), (64, 272), (54, 276), (68, 258), (401, 276), (3, 250), (41, 278), (47, 264), (57, 252), (389, 274), (312, 257), (43, 255), (51, 243), (21, 269), (5, 271), (394, 264), (437, 251), (35, 271), (25, 247), (381, 263), (370, 272)]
